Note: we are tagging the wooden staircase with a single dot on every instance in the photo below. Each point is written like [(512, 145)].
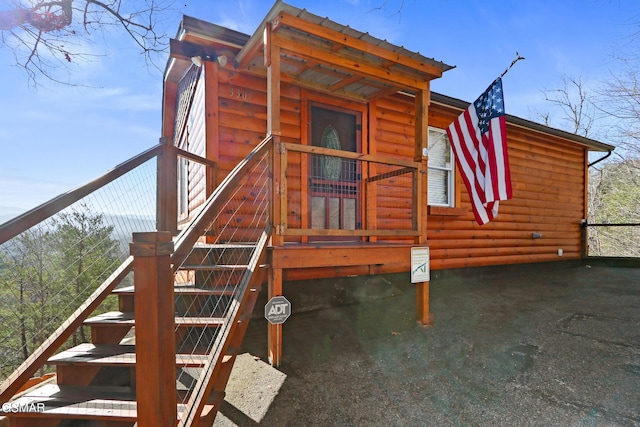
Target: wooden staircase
[(96, 382), (168, 351)]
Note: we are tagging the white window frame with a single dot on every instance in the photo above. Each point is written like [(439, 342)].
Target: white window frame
[(449, 169)]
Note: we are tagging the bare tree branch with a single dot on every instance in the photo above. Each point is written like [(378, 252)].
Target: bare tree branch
[(576, 104), (49, 36)]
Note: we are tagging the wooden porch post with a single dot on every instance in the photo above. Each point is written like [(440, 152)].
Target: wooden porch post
[(155, 335), (167, 175), (274, 333), (167, 197), (422, 143), (272, 62)]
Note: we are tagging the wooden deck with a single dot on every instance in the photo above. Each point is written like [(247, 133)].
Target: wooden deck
[(304, 260)]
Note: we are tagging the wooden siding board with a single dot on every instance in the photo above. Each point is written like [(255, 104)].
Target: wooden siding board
[(548, 176)]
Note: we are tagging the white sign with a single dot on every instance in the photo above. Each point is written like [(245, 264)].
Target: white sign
[(419, 265), (277, 310)]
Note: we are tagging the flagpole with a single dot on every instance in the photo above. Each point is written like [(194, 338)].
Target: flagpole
[(518, 58)]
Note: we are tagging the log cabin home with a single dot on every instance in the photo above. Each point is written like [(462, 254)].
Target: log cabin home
[(350, 115), (325, 147)]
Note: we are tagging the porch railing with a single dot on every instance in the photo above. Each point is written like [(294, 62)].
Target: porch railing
[(611, 240), (60, 261), (221, 250), (333, 193)]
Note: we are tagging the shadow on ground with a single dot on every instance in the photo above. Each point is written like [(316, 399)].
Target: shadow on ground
[(531, 348)]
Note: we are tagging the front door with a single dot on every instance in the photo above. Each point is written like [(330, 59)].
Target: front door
[(335, 183)]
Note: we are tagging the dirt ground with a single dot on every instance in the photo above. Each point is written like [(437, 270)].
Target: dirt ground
[(538, 347)]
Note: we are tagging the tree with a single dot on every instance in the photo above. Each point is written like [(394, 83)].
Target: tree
[(87, 253), (47, 35), (576, 105), (621, 103), (613, 193), (615, 199), (45, 273), (28, 293)]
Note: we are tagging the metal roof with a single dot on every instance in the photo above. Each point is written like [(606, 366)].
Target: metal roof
[(326, 77), (592, 144)]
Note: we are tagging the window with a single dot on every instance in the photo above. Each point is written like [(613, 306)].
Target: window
[(441, 170)]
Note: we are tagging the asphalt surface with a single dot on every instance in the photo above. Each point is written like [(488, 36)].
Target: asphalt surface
[(530, 347)]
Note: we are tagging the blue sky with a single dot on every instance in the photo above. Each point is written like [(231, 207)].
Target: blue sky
[(56, 138)]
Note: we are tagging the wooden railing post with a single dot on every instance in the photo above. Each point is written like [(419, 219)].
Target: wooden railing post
[(422, 144), (167, 197), (154, 327)]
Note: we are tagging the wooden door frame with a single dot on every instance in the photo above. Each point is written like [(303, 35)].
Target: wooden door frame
[(361, 110), (307, 97)]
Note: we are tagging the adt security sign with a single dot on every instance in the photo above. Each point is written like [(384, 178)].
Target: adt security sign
[(277, 310)]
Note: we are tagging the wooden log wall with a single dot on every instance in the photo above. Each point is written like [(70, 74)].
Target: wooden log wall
[(243, 124), (547, 174), (548, 177), (197, 145)]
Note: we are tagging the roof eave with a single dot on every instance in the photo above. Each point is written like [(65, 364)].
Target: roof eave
[(591, 144)]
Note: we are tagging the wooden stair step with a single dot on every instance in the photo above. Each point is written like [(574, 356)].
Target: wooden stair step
[(126, 319), (114, 355), (77, 402)]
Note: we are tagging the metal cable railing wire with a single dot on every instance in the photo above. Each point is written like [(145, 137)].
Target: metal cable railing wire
[(50, 269), (220, 265), (350, 194), (613, 240)]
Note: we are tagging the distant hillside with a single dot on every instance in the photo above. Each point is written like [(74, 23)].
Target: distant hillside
[(125, 226)]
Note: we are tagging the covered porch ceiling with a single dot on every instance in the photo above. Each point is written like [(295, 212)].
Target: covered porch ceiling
[(323, 55)]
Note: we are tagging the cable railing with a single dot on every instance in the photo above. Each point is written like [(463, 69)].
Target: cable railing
[(60, 261), (331, 193), (55, 256), (620, 240), (215, 276)]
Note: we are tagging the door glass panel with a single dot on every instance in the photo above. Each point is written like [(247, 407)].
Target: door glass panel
[(334, 212), (318, 212), (349, 213), (331, 166)]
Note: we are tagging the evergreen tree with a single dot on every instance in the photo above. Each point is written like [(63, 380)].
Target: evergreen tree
[(45, 274)]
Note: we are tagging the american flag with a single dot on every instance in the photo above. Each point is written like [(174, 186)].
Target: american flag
[(479, 140)]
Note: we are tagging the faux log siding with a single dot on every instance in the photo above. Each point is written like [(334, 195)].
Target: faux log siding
[(393, 138), (197, 145), (548, 180), (243, 124), (547, 174)]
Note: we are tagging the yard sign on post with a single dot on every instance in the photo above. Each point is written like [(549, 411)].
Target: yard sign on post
[(420, 270), (277, 310)]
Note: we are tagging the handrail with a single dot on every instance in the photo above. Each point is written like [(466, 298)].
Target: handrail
[(198, 159), (29, 367), (390, 168), (21, 223), (190, 235), (621, 224), (348, 155)]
